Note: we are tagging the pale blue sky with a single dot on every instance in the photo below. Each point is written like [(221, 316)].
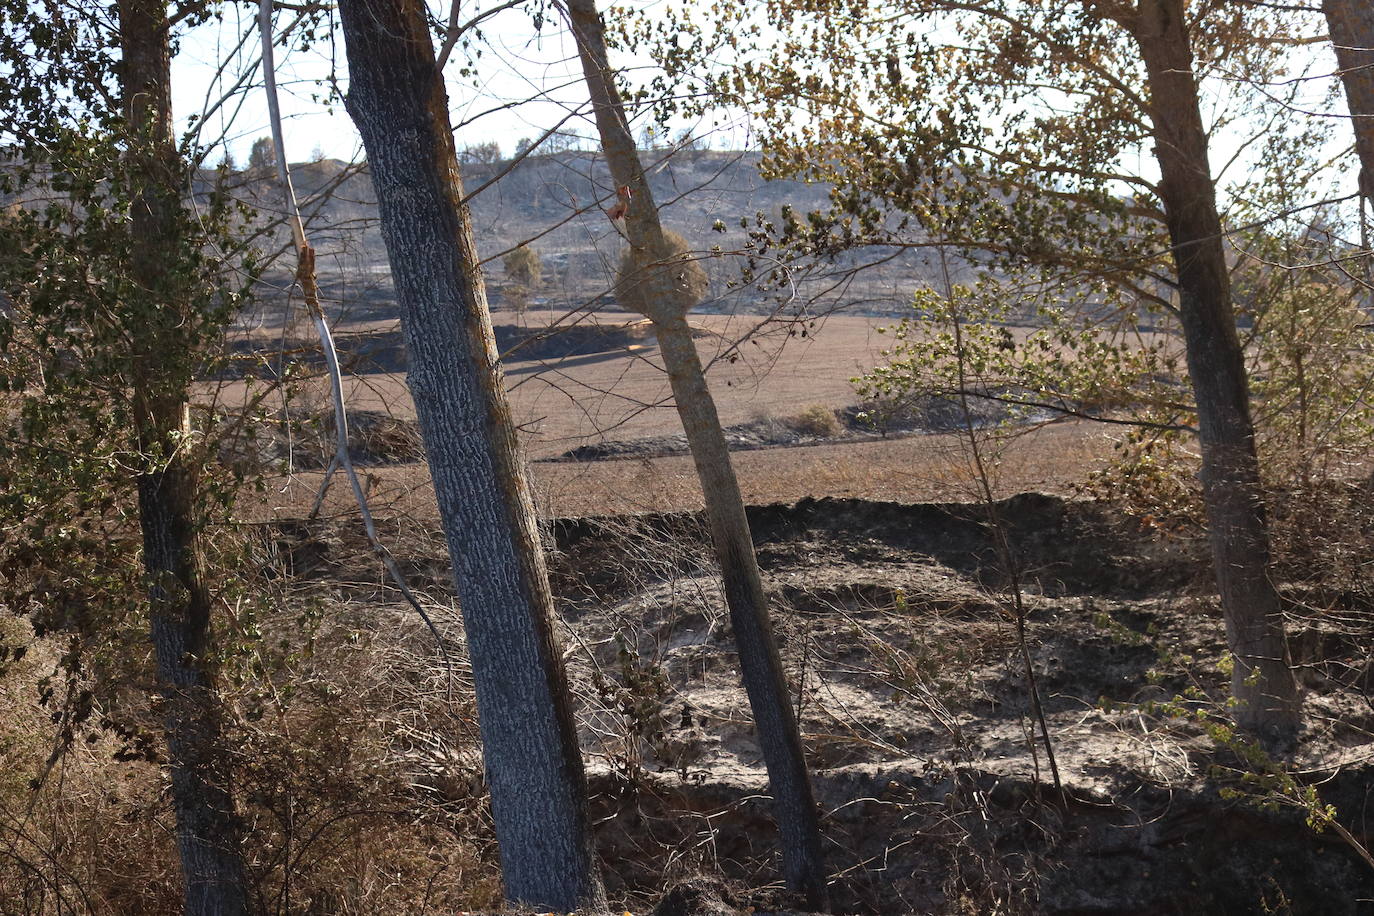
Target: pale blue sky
[(516, 64)]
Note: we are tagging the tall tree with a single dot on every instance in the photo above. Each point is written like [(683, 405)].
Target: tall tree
[(170, 498), (121, 299), (534, 766), (659, 280), (208, 831), (1012, 131), (1262, 679), (1351, 24)]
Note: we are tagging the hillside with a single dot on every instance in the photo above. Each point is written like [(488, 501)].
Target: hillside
[(554, 203)]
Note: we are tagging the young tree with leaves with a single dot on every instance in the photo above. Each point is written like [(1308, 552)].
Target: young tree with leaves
[(1263, 680), (1008, 132), (117, 285), (534, 765), (168, 492), (659, 280)]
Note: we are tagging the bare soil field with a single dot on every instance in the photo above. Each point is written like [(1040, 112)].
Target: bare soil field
[(619, 390), (620, 394), (923, 633), (896, 621), (918, 468)]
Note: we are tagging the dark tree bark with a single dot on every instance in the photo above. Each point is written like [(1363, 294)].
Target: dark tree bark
[(1263, 679), (666, 304), (534, 765), (1351, 23), (208, 830)]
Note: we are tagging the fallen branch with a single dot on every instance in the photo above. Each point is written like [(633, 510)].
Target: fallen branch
[(310, 291)]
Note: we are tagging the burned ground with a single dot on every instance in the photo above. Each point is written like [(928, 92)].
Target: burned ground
[(897, 630)]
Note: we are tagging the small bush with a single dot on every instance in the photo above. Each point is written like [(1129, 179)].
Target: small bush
[(518, 298), (668, 281), (817, 420), (523, 267)]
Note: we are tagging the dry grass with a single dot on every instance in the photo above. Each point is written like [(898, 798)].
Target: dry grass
[(358, 778)]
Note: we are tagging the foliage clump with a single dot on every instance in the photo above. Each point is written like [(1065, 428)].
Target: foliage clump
[(524, 266), (668, 281), (817, 420), (524, 272)]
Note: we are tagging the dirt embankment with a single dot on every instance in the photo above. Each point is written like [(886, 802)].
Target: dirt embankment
[(898, 631)]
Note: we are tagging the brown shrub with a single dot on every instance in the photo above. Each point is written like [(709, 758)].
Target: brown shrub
[(667, 281), (817, 420)]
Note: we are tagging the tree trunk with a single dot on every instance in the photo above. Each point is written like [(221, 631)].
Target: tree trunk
[(1263, 680), (208, 830), (764, 681), (534, 765), (794, 803), (1351, 23)]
